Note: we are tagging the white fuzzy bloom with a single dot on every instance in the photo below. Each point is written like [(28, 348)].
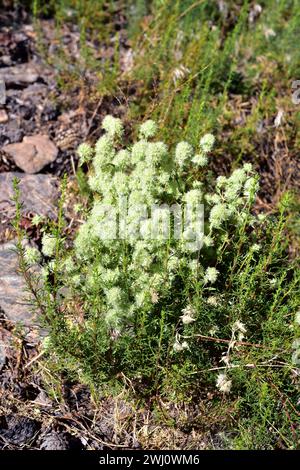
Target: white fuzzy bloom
[(94, 183), (113, 126), (213, 301), (148, 129), (69, 265), (179, 347), (211, 275), (183, 153), (255, 247), (149, 178), (223, 383), (156, 152), (218, 215), (248, 167), (48, 244), (207, 142), (213, 198), (121, 182), (173, 264), (141, 256), (214, 329), (37, 219), (83, 240), (138, 151), (232, 192), (187, 315), (208, 241), (141, 298), (85, 153), (221, 181), (76, 280), (32, 255), (251, 186), (297, 318), (44, 272), (122, 159), (112, 317), (239, 326), (110, 276), (238, 177), (194, 266), (114, 297), (200, 160), (193, 197), (104, 152)]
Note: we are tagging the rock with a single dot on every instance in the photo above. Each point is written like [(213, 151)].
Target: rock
[(54, 441), (39, 194), (19, 430), (3, 116), (21, 74), (15, 302), (33, 153), (2, 92), (10, 132), (6, 346)]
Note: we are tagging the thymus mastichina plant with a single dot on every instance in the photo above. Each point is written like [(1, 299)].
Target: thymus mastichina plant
[(148, 278)]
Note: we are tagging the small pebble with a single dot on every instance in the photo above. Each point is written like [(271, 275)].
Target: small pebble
[(3, 116)]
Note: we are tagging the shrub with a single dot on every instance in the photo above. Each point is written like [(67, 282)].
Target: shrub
[(205, 303)]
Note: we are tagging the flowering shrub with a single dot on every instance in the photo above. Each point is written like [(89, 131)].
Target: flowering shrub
[(135, 274), (170, 272)]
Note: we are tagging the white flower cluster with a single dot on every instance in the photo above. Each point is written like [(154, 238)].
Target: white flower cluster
[(223, 383), (32, 255), (48, 245), (85, 153), (131, 273), (232, 195)]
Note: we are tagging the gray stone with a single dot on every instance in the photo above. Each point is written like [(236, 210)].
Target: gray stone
[(15, 302), (3, 116), (6, 346), (54, 441), (21, 74), (33, 153), (38, 193)]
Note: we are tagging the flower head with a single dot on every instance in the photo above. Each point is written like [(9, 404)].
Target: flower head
[(48, 244), (187, 315), (218, 214), (223, 383), (207, 142), (200, 159), (183, 153), (85, 153), (211, 275), (148, 129), (155, 152), (37, 219), (32, 255), (179, 347), (113, 126)]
